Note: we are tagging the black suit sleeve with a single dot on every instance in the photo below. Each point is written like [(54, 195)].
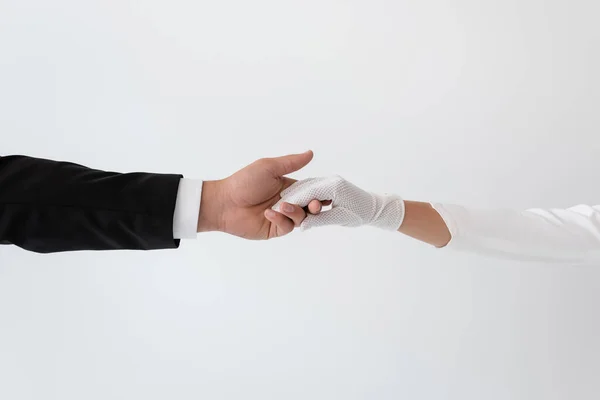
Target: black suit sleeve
[(49, 206)]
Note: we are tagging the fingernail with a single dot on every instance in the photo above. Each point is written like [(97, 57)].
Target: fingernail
[(270, 213), (288, 207)]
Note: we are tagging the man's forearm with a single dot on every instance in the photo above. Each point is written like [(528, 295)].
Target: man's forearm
[(50, 206)]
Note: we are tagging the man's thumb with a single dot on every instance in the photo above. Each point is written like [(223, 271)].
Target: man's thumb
[(291, 163)]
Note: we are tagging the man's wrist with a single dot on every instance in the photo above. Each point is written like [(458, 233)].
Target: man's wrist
[(211, 207)]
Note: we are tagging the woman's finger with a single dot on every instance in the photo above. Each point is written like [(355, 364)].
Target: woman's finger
[(316, 206)]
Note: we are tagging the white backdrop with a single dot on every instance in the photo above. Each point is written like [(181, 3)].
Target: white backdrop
[(484, 103)]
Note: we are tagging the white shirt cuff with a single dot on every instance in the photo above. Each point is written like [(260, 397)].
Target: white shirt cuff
[(187, 209), (549, 235)]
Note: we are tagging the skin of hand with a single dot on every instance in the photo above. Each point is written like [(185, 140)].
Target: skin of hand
[(241, 203)]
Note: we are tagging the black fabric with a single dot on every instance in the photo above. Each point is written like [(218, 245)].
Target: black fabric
[(50, 206)]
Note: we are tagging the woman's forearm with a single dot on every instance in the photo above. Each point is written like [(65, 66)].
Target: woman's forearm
[(424, 223), (551, 235)]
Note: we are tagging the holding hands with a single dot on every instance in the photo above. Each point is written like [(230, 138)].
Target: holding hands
[(351, 205), (261, 202), (52, 206)]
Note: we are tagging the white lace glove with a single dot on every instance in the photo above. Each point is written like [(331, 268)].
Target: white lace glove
[(351, 206)]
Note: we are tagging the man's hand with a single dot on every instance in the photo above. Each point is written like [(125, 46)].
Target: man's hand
[(241, 204)]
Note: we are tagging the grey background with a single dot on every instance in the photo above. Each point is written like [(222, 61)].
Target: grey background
[(491, 104)]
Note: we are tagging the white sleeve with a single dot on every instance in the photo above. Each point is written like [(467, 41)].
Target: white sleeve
[(187, 209), (551, 235)]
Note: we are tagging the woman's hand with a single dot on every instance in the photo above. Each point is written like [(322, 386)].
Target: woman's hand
[(351, 205)]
